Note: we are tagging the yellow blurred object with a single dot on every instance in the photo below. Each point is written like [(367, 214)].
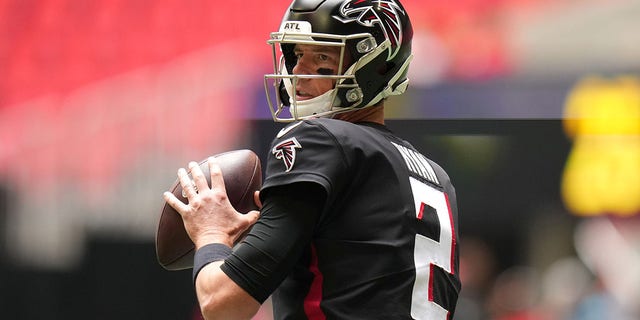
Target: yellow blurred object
[(602, 173)]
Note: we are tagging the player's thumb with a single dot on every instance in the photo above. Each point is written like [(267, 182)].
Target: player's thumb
[(251, 217), (256, 200)]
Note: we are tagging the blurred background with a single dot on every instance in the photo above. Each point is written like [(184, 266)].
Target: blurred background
[(532, 106)]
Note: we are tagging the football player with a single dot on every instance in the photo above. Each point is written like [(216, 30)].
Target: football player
[(355, 222)]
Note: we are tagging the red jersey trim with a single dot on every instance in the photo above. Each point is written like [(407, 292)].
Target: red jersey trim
[(314, 297)]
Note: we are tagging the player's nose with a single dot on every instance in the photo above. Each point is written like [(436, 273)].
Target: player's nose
[(302, 66)]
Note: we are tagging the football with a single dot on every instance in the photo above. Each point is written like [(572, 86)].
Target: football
[(242, 174)]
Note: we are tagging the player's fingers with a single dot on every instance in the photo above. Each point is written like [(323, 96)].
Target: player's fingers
[(198, 177), (217, 180), (188, 188), (171, 199)]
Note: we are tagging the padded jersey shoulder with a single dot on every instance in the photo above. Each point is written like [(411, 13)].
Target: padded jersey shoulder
[(308, 151)]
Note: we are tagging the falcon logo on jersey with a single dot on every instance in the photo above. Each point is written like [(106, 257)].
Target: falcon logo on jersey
[(386, 13), (286, 150)]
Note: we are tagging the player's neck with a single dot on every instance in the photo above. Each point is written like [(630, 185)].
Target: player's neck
[(373, 114)]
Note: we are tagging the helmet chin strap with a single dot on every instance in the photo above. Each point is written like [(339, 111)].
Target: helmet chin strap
[(310, 107)]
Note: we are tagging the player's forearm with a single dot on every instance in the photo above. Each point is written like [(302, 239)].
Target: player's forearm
[(220, 297)]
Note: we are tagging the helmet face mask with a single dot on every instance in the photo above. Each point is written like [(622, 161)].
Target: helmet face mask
[(284, 81), (373, 37)]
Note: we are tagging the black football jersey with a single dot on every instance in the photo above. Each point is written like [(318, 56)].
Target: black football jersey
[(383, 244)]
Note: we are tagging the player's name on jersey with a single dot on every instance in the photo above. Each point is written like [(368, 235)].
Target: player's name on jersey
[(418, 164)]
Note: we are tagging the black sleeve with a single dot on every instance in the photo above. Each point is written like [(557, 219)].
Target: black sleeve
[(309, 153), (266, 256)]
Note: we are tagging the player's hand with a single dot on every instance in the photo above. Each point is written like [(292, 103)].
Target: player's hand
[(208, 216), (256, 200)]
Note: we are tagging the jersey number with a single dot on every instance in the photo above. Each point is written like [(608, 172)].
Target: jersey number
[(434, 248)]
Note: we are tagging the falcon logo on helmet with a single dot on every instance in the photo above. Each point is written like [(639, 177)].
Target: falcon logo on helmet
[(386, 14), (286, 150)]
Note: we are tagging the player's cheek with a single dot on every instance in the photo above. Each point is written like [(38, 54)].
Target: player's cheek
[(326, 85)]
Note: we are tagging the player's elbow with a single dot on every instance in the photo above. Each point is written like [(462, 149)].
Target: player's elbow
[(212, 308), (221, 298), (217, 307)]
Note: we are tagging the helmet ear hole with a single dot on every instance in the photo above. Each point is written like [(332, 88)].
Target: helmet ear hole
[(385, 67)]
